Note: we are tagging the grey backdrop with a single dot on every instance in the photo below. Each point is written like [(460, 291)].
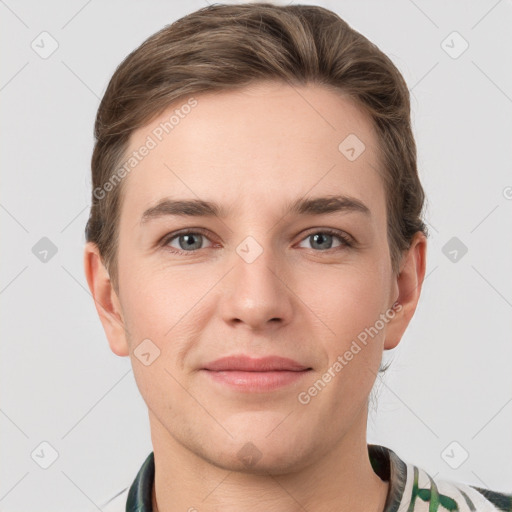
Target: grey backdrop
[(448, 393)]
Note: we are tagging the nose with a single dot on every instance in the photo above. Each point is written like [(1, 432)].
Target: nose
[(257, 294)]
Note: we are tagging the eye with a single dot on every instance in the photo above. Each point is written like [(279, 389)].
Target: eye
[(324, 239), (186, 241), (192, 241)]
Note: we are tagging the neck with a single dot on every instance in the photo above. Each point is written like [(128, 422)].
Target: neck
[(342, 479)]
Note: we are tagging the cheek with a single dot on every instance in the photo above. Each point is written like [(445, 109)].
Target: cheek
[(351, 306), (163, 304), (351, 299), (158, 310)]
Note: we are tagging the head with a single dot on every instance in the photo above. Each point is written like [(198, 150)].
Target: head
[(259, 111)]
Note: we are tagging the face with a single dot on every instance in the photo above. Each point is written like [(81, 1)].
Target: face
[(259, 278)]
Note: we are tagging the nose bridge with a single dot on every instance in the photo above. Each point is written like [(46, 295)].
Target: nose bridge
[(256, 293)]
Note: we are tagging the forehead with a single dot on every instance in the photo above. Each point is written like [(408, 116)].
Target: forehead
[(252, 147)]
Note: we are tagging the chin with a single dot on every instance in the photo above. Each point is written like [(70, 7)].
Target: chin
[(251, 460), (258, 452)]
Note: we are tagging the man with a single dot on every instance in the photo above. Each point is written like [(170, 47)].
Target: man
[(255, 242)]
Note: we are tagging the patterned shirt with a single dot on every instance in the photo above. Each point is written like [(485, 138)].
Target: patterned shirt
[(411, 489)]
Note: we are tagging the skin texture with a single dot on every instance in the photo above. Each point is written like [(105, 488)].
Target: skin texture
[(253, 151)]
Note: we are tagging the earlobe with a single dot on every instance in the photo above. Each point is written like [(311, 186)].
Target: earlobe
[(409, 283), (106, 301)]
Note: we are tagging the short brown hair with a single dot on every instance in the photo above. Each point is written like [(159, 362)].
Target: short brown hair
[(225, 47)]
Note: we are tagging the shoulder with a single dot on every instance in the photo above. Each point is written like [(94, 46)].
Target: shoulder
[(117, 503), (413, 489), (136, 496), (471, 498), (500, 500), (422, 492)]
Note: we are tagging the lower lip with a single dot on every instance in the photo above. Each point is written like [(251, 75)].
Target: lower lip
[(256, 381)]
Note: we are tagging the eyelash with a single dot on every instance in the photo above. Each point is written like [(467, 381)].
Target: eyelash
[(345, 240)]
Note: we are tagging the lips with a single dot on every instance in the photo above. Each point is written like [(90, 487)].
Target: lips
[(244, 374), (248, 364)]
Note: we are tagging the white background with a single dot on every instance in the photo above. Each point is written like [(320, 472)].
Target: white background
[(450, 379)]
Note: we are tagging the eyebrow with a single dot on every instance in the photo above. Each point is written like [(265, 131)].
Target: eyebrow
[(301, 206)]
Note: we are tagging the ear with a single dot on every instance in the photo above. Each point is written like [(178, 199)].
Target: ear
[(408, 283), (106, 300)]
